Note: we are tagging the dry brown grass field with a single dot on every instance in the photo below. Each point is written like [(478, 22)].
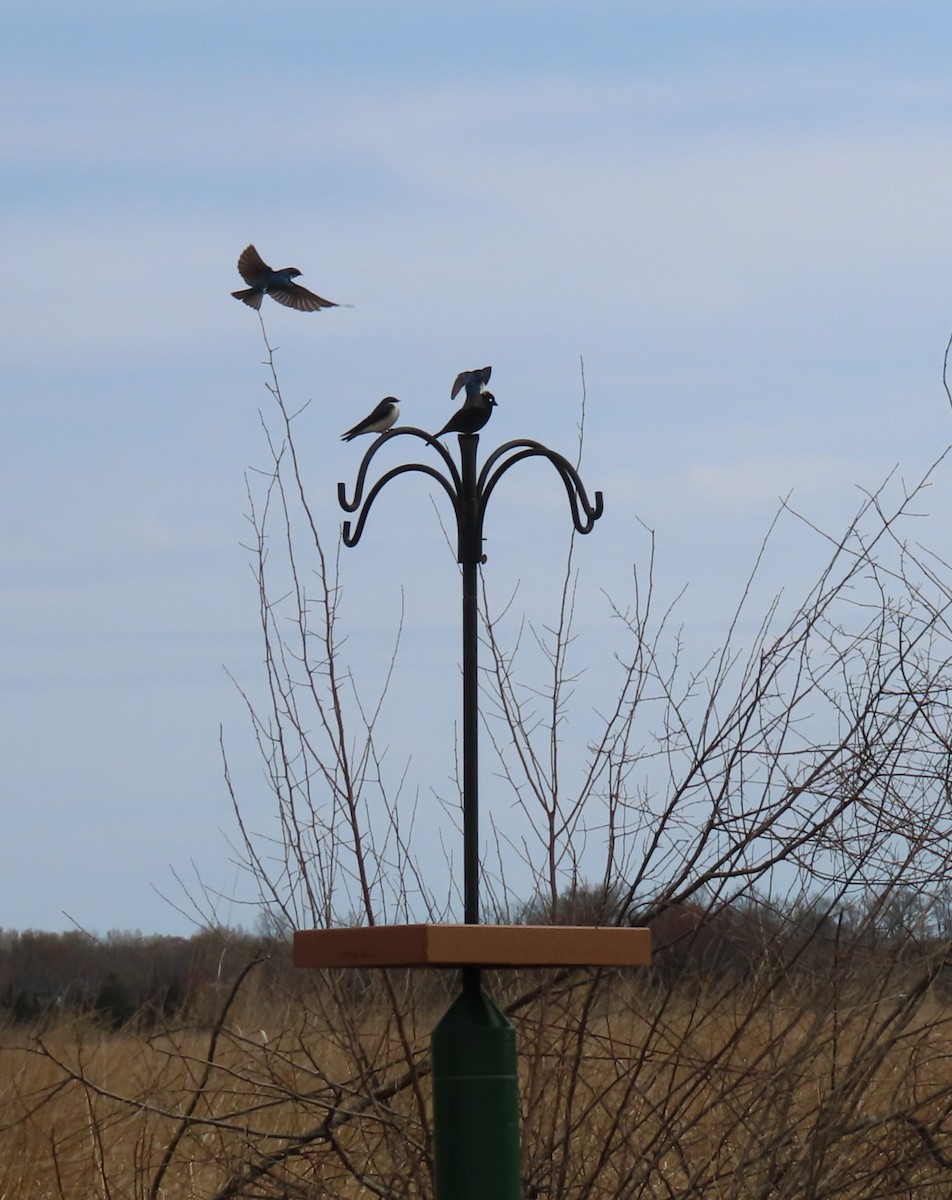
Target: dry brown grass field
[(769, 1085)]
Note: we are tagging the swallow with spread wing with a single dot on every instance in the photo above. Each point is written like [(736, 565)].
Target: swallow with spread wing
[(264, 281)]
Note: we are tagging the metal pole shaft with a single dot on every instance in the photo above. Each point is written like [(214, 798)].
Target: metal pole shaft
[(470, 747), (470, 555)]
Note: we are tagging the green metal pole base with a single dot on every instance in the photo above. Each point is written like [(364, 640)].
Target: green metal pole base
[(475, 1102)]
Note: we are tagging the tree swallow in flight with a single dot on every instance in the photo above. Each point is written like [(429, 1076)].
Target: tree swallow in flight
[(262, 280), (474, 382), (379, 421), (472, 416)]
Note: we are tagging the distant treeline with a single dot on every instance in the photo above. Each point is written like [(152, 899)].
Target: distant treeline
[(120, 976), (126, 976)]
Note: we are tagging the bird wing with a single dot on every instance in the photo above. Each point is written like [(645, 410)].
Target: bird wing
[(251, 266), (470, 380), (294, 296), (456, 423), (357, 429)]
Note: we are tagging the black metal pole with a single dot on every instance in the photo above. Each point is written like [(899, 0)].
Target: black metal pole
[(470, 747), (470, 555)]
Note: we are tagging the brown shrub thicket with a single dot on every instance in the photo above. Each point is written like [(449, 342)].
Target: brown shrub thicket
[(778, 812)]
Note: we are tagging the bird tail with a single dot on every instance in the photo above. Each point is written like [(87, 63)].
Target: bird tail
[(249, 296)]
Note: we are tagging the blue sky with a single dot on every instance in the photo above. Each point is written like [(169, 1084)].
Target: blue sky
[(737, 213)]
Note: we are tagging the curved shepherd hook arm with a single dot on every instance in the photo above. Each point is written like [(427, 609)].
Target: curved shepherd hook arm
[(575, 489), (351, 539), (353, 505)]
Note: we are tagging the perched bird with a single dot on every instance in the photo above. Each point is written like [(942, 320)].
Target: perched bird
[(474, 382), (472, 416), (379, 421), (262, 281)]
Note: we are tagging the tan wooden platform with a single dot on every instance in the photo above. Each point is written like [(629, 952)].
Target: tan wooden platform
[(473, 946)]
